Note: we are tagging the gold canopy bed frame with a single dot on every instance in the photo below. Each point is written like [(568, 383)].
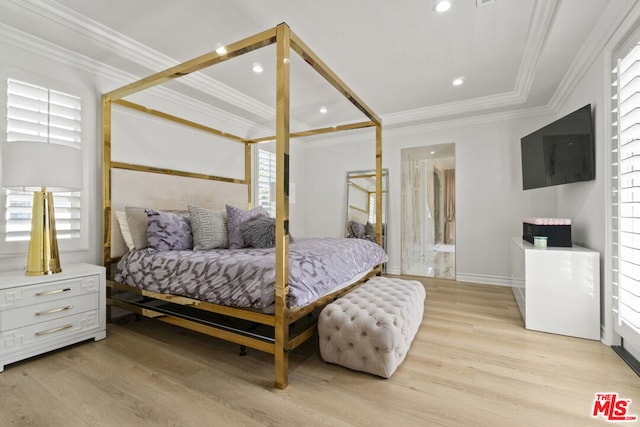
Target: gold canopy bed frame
[(280, 321)]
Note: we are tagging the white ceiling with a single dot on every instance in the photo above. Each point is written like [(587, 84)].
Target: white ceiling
[(398, 56)]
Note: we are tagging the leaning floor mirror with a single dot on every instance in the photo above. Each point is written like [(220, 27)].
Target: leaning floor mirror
[(360, 219)]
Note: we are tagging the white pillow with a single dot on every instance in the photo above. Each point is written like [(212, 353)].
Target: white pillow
[(121, 216)]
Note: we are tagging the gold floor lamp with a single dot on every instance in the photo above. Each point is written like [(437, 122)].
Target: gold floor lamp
[(43, 168)]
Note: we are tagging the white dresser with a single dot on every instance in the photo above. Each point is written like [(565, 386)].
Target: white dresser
[(557, 289), (43, 313)]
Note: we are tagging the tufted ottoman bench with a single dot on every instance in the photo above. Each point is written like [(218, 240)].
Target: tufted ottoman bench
[(371, 328)]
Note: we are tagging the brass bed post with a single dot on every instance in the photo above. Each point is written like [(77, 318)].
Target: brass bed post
[(106, 191), (283, 51), (379, 184), (248, 172)]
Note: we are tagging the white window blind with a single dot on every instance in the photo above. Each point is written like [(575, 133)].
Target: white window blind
[(36, 113), (266, 181), (626, 194), (372, 208)]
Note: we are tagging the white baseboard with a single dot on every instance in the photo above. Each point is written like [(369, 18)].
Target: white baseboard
[(468, 278), (393, 271), (484, 279)]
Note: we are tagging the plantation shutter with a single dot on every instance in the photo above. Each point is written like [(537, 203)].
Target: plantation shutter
[(266, 181), (35, 113), (626, 195), (372, 208)]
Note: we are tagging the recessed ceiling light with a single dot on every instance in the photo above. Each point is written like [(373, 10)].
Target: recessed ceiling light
[(442, 6), (433, 152), (458, 81), (221, 50), (323, 110), (257, 68)]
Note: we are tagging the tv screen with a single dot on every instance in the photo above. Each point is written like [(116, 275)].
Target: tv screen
[(559, 153)]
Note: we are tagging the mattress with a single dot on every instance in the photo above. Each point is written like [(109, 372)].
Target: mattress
[(246, 277)]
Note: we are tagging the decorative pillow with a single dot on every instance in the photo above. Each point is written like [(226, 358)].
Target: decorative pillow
[(259, 232), (358, 230), (370, 231), (137, 221), (121, 216), (168, 231), (237, 217), (209, 228)]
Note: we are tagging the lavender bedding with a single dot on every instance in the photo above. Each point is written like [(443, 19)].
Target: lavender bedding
[(246, 277)]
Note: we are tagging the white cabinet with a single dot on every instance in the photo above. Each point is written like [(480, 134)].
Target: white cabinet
[(43, 313), (557, 289)]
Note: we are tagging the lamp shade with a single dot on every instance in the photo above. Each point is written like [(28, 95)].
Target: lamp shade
[(29, 166)]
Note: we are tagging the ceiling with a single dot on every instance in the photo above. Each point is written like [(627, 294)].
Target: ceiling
[(399, 57)]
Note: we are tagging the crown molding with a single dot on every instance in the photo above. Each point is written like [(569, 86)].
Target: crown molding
[(360, 136), (26, 42), (469, 121), (442, 110), (539, 27), (140, 54), (43, 48), (143, 55), (613, 16)]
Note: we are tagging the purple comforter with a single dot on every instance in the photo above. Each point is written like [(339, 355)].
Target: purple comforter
[(246, 277)]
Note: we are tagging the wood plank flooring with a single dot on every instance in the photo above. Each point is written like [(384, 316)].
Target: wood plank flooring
[(471, 364)]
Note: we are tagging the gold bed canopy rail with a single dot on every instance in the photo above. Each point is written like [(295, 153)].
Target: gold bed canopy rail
[(285, 41)]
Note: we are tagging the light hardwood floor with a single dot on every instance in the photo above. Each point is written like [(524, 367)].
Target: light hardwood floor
[(471, 364)]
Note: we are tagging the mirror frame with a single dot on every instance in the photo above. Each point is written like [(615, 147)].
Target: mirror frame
[(385, 202)]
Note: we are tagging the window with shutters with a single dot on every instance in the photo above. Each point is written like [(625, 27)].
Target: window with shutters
[(36, 113), (267, 181), (372, 208), (626, 192)]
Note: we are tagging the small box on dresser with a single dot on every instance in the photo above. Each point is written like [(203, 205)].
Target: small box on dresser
[(558, 235), (43, 313)]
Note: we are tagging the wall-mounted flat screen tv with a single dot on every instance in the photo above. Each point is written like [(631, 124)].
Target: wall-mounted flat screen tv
[(560, 153)]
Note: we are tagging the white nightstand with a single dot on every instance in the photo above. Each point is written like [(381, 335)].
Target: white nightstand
[(44, 313)]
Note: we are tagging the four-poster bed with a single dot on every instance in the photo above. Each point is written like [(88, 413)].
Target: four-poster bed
[(185, 311)]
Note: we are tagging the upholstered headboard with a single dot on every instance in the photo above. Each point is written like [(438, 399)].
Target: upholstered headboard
[(161, 191)]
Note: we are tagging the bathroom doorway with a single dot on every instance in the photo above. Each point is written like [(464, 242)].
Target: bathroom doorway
[(428, 211)]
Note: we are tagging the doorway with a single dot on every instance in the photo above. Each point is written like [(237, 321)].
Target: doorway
[(428, 211)]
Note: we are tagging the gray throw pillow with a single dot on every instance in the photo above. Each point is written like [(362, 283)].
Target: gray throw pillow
[(235, 218), (358, 230), (167, 231), (259, 232), (370, 231), (209, 228)]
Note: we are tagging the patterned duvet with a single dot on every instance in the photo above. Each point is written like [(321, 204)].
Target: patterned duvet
[(246, 277)]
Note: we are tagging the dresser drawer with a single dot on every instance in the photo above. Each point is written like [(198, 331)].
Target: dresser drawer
[(39, 334), (50, 291), (23, 316)]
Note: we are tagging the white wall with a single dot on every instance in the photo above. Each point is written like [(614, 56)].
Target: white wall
[(489, 196)]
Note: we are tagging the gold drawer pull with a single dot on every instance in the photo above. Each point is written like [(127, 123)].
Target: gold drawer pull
[(54, 310), (58, 329), (56, 291)]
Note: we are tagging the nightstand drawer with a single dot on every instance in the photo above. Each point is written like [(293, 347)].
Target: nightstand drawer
[(54, 330), (51, 310), (35, 294)]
